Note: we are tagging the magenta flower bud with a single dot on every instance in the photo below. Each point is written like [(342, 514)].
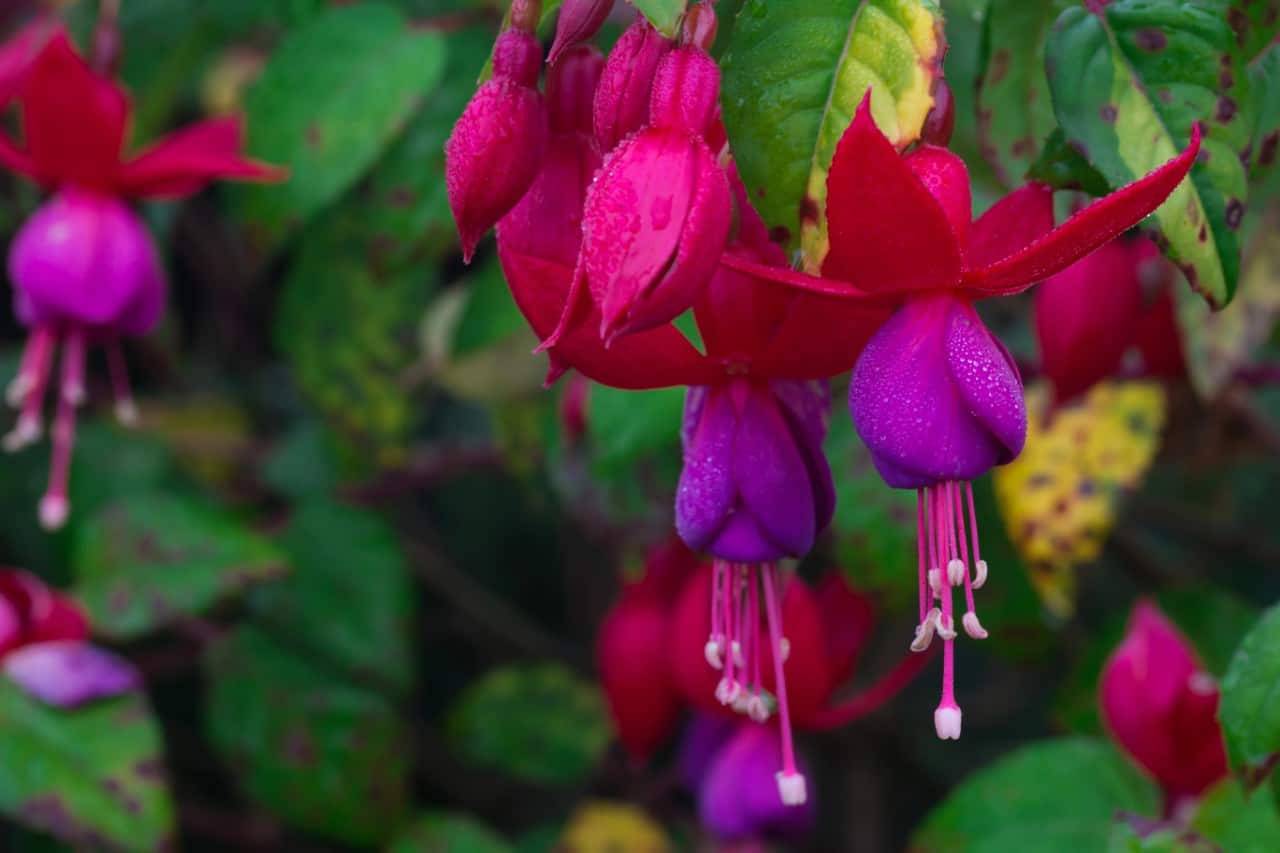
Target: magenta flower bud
[(571, 89), (1161, 706), (70, 673), (579, 21), (756, 486), (499, 142), (622, 101), (738, 799), (686, 91), (86, 259)]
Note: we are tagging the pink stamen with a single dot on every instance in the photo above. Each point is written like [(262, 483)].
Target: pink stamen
[(920, 536), (28, 388), (126, 409), (964, 552), (54, 506), (791, 784)]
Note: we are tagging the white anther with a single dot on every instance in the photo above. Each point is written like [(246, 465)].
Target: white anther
[(946, 721), (956, 572), (54, 510), (727, 691), (18, 389), (74, 393), (26, 431), (935, 582), (973, 627), (741, 704), (127, 412), (784, 648), (757, 708), (712, 652), (792, 789), (1202, 683), (979, 574), (738, 659), (924, 632), (945, 626)]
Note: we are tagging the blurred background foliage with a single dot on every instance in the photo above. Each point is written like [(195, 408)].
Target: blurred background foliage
[(359, 553)]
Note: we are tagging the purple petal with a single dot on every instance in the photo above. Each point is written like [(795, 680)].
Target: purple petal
[(739, 795), (934, 398), (771, 475), (807, 407), (703, 737), (705, 496), (84, 258), (68, 673)]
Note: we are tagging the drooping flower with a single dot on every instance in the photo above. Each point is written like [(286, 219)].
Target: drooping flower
[(622, 101), (84, 267), (499, 142), (631, 653), (658, 214), (1088, 316), (579, 21), (1162, 707), (44, 646), (935, 397)]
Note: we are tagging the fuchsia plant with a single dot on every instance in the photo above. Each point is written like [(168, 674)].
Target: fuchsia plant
[(1162, 707), (84, 266), (626, 227)]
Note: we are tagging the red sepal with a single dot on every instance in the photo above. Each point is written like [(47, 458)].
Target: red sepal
[(1010, 225), (887, 232), (184, 162), (1085, 231)]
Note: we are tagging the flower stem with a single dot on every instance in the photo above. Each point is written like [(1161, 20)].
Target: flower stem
[(875, 696)]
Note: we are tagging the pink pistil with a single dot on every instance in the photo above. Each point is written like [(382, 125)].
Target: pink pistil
[(27, 393), (941, 540), (735, 646)]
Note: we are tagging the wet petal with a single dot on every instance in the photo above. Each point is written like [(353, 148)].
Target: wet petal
[(987, 381), (772, 477), (706, 494)]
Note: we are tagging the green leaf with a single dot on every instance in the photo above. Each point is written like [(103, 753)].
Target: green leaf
[(663, 14), (1250, 709), (1126, 839), (634, 446), (93, 777), (323, 754), (351, 338), (490, 315), (1054, 795), (1236, 822), (147, 559), (335, 93), (1265, 74), (795, 73), (1063, 167), (1128, 82), (304, 464), (1015, 114), (348, 599), (444, 832), (538, 723)]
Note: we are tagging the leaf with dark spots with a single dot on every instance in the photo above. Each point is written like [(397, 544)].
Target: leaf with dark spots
[(74, 774), (290, 727), (147, 559)]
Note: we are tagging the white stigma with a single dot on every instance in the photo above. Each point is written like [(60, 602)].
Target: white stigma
[(973, 627), (784, 648), (946, 720), (956, 572), (946, 627), (979, 574), (712, 652), (792, 788), (54, 510)]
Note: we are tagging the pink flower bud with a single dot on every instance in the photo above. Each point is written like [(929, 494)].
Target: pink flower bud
[(1161, 706), (499, 142), (686, 91), (579, 21), (571, 89), (622, 101), (699, 26)]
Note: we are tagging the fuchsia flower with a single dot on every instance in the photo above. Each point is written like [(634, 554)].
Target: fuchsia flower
[(1162, 707), (44, 646), (499, 142), (935, 397), (17, 53), (84, 267), (622, 101), (1088, 316)]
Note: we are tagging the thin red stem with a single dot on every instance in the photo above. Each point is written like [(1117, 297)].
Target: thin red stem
[(877, 695)]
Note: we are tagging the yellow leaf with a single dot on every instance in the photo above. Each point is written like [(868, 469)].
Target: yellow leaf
[(604, 827), (1060, 498)]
